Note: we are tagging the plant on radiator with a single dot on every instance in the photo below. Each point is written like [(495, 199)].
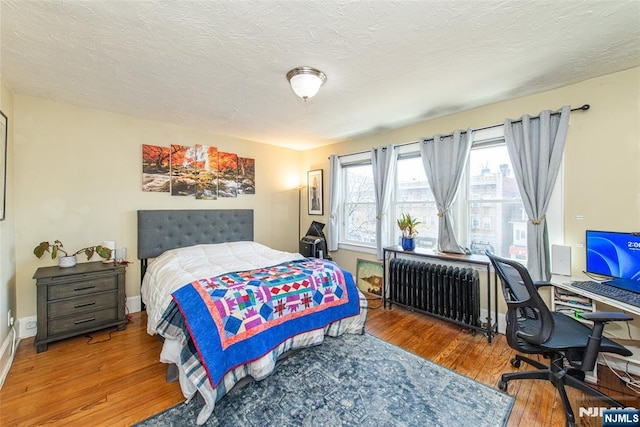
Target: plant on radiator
[(407, 225), (65, 260)]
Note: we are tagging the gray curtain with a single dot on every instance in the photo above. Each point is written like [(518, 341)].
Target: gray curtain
[(444, 160), (535, 147), (334, 200), (383, 161)]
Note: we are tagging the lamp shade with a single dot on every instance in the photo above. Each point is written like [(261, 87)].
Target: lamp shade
[(306, 81)]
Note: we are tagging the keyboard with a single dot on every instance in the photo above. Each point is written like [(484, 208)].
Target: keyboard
[(622, 295)]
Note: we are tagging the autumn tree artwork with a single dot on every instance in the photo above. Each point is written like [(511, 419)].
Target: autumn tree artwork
[(246, 176), (156, 169), (207, 172), (198, 171), (228, 170), (183, 170)]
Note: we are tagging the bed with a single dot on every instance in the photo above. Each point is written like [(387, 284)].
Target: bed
[(227, 308)]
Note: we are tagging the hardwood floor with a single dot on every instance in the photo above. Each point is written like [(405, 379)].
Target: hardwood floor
[(114, 378)]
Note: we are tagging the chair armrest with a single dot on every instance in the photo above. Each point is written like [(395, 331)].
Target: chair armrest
[(538, 284), (593, 345), (541, 284), (606, 316)]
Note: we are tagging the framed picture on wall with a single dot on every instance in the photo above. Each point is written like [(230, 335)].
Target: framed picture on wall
[(314, 192), (3, 164), (370, 277)]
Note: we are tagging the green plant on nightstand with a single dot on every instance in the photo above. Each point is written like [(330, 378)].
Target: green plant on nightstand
[(64, 259)]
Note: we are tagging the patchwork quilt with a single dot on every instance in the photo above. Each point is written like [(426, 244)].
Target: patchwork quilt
[(236, 318)]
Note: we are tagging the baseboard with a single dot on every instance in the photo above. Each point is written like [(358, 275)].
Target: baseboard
[(619, 363), (7, 351), (134, 304), (27, 327)]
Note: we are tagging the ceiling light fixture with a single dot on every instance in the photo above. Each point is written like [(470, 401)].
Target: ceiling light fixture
[(306, 81)]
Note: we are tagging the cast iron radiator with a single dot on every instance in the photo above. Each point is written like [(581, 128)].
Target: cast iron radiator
[(449, 292)]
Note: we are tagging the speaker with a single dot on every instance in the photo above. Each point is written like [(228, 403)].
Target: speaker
[(561, 260)]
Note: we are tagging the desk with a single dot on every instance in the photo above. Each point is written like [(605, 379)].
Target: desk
[(564, 282), (491, 325), (630, 363)]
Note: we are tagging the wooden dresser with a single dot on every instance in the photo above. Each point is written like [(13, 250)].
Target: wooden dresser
[(77, 300)]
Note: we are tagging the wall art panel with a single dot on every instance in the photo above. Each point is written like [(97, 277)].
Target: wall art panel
[(156, 169)]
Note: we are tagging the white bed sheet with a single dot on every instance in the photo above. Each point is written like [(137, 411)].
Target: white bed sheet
[(177, 267)]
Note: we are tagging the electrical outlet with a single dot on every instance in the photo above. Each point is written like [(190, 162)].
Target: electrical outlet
[(9, 318)]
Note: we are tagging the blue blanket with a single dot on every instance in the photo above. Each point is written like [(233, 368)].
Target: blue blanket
[(239, 317)]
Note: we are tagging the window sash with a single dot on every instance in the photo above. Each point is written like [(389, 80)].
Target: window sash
[(357, 229)]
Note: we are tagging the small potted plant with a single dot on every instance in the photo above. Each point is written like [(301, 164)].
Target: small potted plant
[(64, 259), (407, 225)]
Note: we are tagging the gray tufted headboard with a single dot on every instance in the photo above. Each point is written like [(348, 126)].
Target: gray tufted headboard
[(161, 230)]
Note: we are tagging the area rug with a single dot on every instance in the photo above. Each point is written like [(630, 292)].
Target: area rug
[(352, 380)]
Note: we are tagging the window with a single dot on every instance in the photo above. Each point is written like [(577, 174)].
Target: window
[(359, 205), (413, 195), (490, 192), (488, 213), (486, 223)]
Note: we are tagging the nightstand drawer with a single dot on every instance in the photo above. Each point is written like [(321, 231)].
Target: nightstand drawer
[(85, 287), (83, 304), (81, 321)]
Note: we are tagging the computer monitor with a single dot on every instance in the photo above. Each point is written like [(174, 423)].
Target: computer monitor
[(315, 229), (614, 254)]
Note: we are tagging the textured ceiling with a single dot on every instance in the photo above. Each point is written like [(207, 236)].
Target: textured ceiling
[(221, 65)]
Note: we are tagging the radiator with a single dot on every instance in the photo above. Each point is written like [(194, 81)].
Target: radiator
[(441, 290)]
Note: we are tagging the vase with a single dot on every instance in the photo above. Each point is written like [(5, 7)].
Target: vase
[(408, 243), (67, 261)]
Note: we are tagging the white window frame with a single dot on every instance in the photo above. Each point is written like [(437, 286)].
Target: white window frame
[(358, 159)]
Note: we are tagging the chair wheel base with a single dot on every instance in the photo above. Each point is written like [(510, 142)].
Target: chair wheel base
[(515, 362), (502, 385)]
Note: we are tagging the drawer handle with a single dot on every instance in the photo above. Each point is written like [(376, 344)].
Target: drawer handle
[(84, 287), (86, 304), (90, 319)]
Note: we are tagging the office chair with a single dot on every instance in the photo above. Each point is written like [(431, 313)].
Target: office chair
[(571, 346)]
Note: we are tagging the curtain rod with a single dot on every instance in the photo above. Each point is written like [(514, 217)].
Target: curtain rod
[(584, 107)]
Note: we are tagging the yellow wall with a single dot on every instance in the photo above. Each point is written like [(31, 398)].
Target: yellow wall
[(7, 233), (602, 154), (78, 178), (78, 172), (602, 158)]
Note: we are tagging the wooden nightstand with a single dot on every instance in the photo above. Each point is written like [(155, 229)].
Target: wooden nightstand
[(77, 300)]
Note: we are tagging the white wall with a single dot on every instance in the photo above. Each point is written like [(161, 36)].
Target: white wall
[(7, 243), (78, 178)]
